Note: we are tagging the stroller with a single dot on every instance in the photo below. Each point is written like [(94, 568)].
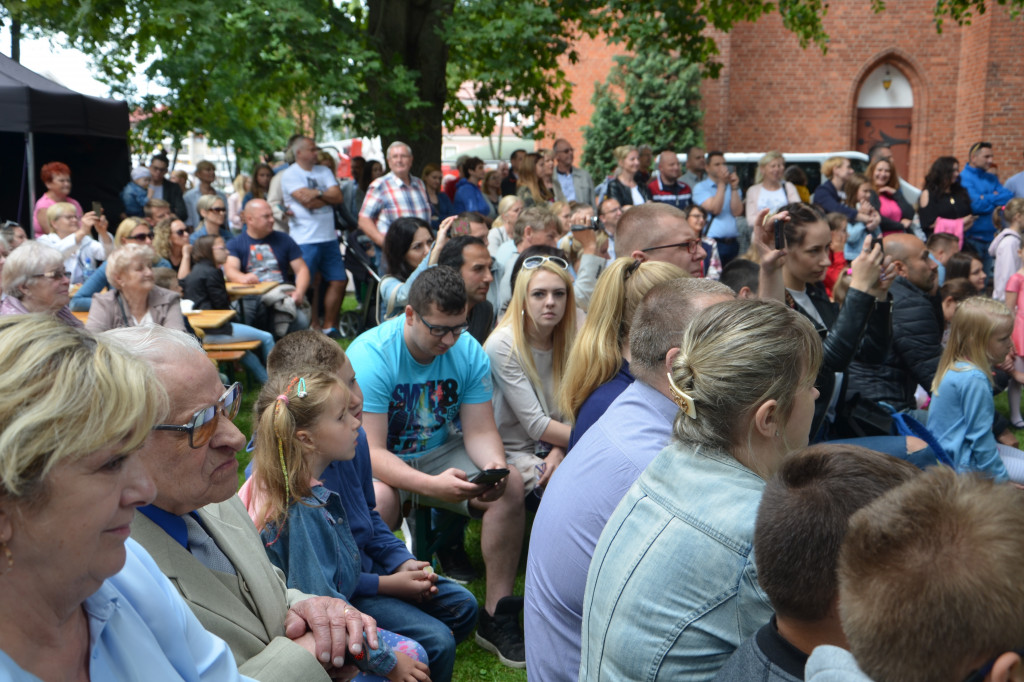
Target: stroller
[(352, 323)]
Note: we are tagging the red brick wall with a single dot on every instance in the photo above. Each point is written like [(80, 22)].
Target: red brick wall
[(967, 84)]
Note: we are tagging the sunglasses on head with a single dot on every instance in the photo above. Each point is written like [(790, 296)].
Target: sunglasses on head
[(537, 261), (203, 425)]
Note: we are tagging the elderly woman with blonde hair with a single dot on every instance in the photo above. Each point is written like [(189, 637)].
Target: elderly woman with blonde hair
[(35, 281), (80, 599), (771, 191), (509, 209), (135, 300), (129, 231)]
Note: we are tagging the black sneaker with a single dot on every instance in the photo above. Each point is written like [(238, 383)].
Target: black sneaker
[(454, 564), (501, 634)]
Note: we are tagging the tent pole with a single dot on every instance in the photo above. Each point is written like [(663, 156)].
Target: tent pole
[(30, 159)]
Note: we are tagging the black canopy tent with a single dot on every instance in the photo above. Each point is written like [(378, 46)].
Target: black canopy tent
[(42, 121)]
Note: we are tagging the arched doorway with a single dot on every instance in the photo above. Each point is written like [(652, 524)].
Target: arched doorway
[(885, 108)]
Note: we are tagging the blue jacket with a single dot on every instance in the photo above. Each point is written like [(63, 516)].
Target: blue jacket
[(986, 196), (134, 198), (316, 551), (353, 483), (468, 197)]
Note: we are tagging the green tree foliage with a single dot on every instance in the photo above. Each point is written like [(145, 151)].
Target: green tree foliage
[(234, 69), (652, 98)]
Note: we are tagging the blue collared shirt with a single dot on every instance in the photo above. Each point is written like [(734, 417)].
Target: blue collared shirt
[(582, 494), (140, 629), (172, 524), (723, 226)]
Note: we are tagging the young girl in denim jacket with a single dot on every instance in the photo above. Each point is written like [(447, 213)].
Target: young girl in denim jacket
[(304, 425), (962, 409)]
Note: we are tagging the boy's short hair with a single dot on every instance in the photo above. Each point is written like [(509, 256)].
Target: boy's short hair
[(442, 286), (803, 517), (942, 238), (836, 221), (305, 351), (930, 578), (165, 278), (740, 273)]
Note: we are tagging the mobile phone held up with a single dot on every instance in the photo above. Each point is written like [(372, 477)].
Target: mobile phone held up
[(489, 476)]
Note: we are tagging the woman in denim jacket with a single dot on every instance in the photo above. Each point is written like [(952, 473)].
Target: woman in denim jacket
[(672, 589)]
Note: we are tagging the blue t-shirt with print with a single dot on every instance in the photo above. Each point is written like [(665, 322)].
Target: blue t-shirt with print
[(267, 258), (422, 402)]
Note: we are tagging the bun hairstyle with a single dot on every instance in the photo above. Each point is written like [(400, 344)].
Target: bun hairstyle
[(734, 356)]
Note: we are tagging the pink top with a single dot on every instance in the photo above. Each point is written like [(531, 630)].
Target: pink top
[(46, 202), (889, 208)]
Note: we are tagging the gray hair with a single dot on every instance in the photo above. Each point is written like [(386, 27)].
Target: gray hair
[(153, 344), (735, 356), (397, 143), (123, 256), (662, 318), (293, 146), (31, 258)]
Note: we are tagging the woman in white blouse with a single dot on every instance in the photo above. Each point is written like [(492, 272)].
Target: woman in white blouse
[(771, 191)]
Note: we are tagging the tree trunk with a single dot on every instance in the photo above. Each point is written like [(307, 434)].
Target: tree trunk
[(16, 40), (407, 32)]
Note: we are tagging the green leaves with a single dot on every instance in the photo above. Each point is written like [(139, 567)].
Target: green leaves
[(652, 98)]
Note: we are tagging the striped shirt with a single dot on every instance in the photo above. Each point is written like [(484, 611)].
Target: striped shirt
[(388, 199)]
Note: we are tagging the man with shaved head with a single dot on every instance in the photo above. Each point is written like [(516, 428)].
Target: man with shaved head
[(667, 188), (659, 232), (917, 330)]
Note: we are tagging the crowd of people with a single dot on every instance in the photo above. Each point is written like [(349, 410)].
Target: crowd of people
[(754, 428)]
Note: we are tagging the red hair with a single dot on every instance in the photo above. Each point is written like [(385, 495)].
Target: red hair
[(54, 168)]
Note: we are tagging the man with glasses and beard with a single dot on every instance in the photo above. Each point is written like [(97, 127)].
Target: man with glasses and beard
[(421, 376)]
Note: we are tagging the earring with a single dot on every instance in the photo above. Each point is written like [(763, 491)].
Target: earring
[(8, 556)]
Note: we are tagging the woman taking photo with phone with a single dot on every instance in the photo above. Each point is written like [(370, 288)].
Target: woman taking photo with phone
[(529, 350)]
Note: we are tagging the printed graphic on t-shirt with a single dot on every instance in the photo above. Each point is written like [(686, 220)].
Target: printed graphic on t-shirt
[(263, 263), (419, 414)]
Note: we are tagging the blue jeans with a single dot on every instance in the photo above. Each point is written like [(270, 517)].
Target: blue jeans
[(255, 366), (438, 624)]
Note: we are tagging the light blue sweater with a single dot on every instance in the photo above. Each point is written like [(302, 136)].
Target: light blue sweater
[(961, 416)]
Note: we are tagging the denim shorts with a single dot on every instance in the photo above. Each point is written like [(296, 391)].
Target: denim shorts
[(324, 258)]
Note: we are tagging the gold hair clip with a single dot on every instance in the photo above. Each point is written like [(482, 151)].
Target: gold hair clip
[(684, 401)]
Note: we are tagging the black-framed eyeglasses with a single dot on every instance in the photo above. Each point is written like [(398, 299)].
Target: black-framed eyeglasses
[(140, 237), (691, 245), (53, 274), (537, 261), (203, 425), (441, 331)]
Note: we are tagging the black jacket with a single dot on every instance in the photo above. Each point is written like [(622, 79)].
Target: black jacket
[(205, 287), (173, 196), (622, 194), (860, 330), (914, 355)]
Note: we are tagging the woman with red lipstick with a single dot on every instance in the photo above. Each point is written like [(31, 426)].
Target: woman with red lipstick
[(860, 330), (82, 601), (529, 350)]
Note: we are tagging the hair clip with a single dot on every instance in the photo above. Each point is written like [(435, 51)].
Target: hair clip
[(301, 392), (684, 401)]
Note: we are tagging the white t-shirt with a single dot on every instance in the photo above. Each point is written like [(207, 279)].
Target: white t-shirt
[(772, 200), (637, 197), (305, 226)]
